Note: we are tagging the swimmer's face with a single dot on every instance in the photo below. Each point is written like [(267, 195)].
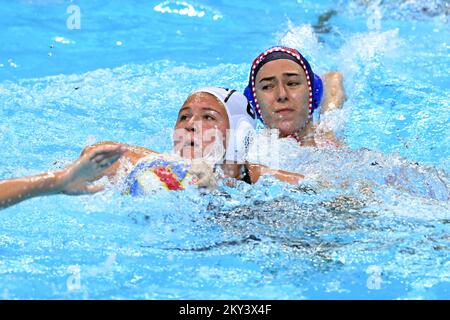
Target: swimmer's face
[(201, 127), (283, 95)]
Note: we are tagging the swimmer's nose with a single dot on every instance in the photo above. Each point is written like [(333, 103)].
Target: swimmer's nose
[(192, 125), (282, 94)]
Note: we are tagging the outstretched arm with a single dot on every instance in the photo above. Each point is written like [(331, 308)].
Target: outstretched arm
[(73, 180), (333, 91)]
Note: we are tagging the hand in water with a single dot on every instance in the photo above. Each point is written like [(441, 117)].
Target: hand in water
[(76, 178), (203, 173)]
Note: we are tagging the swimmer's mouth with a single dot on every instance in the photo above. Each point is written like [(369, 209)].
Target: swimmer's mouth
[(191, 144), (284, 111)]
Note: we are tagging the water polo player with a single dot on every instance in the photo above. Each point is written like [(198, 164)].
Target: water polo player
[(284, 91), (213, 126)]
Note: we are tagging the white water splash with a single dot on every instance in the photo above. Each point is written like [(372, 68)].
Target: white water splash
[(185, 8), (363, 52), (304, 39)]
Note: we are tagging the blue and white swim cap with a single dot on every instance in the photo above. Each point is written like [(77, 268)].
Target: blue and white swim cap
[(280, 52)]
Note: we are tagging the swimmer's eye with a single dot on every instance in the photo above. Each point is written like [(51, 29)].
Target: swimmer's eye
[(208, 117), (293, 84), (183, 118), (267, 87)]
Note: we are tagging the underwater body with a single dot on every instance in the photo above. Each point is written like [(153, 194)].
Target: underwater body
[(370, 221)]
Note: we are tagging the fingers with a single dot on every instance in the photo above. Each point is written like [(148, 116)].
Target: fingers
[(83, 189), (106, 156), (103, 153), (207, 183), (89, 167), (105, 162), (106, 151), (94, 188)]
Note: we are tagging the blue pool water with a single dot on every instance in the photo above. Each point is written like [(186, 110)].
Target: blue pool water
[(123, 75)]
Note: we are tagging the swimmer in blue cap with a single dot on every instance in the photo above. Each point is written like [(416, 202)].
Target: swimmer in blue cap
[(285, 92), (74, 180), (213, 125)]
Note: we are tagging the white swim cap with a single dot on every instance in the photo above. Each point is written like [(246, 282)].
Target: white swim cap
[(241, 117)]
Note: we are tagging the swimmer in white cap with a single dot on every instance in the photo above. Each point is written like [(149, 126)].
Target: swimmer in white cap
[(213, 125)]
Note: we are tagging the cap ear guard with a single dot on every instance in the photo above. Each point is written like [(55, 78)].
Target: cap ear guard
[(249, 95), (238, 141), (318, 92), (242, 123)]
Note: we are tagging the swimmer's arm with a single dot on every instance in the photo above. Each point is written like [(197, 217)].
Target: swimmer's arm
[(72, 180), (256, 171), (329, 139), (333, 91), (17, 190), (334, 98)]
